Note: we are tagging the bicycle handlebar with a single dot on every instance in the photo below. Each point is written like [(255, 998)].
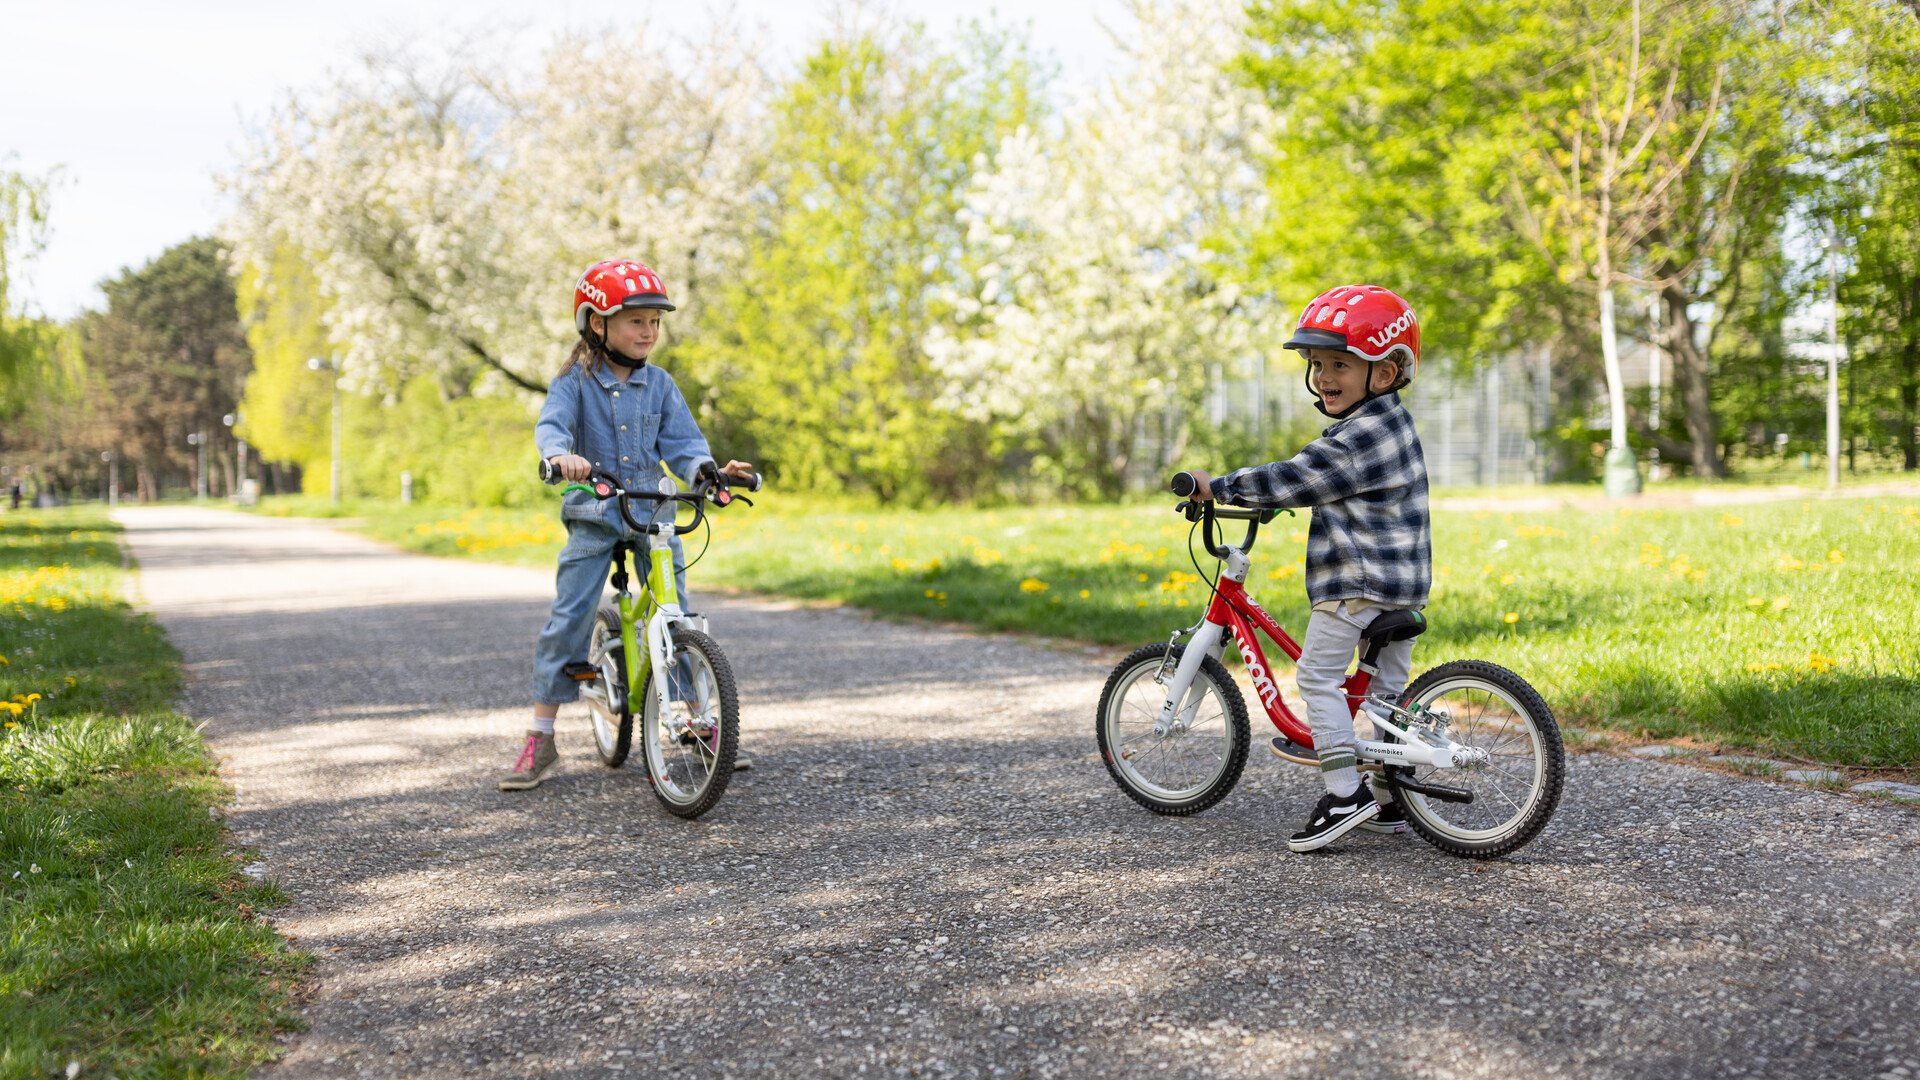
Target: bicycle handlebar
[(1183, 484), (710, 485)]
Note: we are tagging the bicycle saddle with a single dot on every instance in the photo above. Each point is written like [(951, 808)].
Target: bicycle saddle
[(1394, 626)]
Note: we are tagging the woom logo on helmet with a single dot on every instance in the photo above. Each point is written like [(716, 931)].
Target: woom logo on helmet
[(1393, 330), (598, 294)]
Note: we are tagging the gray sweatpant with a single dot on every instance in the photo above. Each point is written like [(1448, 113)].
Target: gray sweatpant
[(1325, 655)]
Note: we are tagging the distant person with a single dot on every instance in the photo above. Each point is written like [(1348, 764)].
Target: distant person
[(607, 411), (1369, 549), (15, 494)]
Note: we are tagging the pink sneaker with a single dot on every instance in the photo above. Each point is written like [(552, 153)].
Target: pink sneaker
[(537, 758)]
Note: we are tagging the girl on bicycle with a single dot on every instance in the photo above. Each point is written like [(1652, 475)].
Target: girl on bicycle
[(612, 412), (1369, 548)]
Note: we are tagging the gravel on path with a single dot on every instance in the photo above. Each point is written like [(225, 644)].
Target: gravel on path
[(929, 873)]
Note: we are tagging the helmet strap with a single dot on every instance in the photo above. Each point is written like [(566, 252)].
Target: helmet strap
[(1400, 383), (604, 354), (1343, 413)]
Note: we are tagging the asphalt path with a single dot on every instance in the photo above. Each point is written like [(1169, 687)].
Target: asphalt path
[(929, 873)]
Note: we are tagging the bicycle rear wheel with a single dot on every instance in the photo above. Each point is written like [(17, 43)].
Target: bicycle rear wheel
[(1515, 788), (1179, 771), (608, 706), (690, 750)]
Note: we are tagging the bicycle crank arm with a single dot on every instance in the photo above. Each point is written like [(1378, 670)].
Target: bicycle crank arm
[(1443, 792), (1399, 753)]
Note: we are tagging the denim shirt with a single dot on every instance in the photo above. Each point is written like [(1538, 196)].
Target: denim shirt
[(625, 429)]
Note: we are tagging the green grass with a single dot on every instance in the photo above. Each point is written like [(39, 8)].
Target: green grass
[(1780, 627), (128, 941)]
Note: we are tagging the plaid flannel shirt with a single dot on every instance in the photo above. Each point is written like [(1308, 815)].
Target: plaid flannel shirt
[(1366, 480)]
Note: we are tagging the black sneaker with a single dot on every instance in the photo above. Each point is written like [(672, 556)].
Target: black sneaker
[(1392, 818), (1334, 817)]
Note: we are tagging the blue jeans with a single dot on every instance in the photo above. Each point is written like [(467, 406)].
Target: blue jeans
[(578, 587)]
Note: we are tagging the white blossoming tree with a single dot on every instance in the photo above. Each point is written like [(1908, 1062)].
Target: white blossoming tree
[(1102, 290), (446, 210)]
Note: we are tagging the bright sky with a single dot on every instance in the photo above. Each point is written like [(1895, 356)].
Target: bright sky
[(141, 104)]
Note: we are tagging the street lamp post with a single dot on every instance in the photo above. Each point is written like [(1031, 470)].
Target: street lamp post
[(239, 454), (198, 440), (332, 365), (113, 476)]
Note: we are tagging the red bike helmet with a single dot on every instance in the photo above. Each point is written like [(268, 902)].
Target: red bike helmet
[(1366, 320), (609, 286)]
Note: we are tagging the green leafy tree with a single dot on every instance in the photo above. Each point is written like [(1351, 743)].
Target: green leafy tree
[(166, 360), (27, 345), (285, 406), (1876, 201), (1515, 167), (817, 345)]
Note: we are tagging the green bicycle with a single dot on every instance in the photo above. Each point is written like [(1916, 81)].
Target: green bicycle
[(688, 709)]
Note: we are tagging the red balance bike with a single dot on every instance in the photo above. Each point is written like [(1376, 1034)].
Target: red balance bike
[(1470, 749)]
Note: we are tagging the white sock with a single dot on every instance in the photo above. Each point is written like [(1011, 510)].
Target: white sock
[(543, 724)]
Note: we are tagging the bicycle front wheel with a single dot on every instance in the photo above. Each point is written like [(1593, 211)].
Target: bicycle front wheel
[(690, 749), (1183, 768), (608, 708), (1515, 784)]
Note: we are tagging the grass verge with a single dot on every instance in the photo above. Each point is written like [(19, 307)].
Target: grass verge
[(1783, 627), (128, 937)]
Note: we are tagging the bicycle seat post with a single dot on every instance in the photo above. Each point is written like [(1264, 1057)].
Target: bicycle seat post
[(620, 567)]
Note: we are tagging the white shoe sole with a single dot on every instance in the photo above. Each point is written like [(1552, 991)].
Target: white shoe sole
[(1315, 843), (534, 781)]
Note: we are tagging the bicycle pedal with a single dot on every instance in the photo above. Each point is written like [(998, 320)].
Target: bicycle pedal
[(581, 671), (1287, 750)]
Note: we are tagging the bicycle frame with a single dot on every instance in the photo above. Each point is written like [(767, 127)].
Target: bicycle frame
[(658, 610), (1233, 610)]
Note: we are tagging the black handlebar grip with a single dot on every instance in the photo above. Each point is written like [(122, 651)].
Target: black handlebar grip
[(751, 483), (548, 474), (1183, 484)]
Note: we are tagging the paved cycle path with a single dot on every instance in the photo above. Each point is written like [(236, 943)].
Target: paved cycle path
[(930, 874)]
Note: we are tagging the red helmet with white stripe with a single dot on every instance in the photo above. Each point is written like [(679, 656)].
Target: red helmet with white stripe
[(607, 287), (1366, 320)]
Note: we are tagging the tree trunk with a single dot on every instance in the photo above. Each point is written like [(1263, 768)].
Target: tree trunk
[(1610, 355), (1909, 402), (1690, 376)]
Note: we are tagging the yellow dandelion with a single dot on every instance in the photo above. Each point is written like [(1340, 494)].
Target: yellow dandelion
[(1084, 593), (1140, 577), (1508, 579), (1816, 662), (901, 566), (1730, 521), (1033, 585), (11, 725), (1756, 602), (1781, 603), (928, 594), (1834, 556), (71, 681), (4, 662), (1510, 618)]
